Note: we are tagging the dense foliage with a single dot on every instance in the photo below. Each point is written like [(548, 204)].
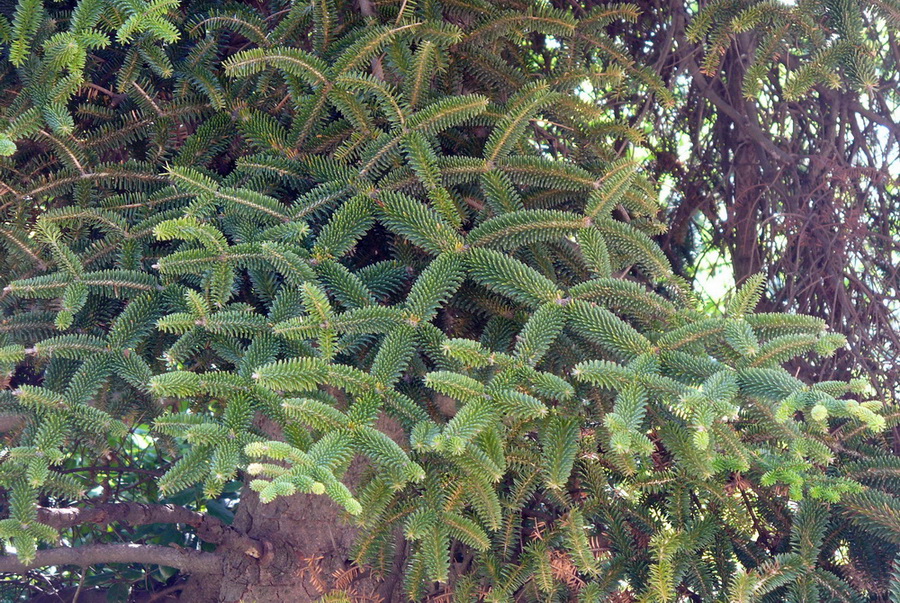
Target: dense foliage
[(255, 242)]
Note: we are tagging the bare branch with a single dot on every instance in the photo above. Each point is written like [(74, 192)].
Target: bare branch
[(130, 513), (186, 560), (209, 529), (741, 119)]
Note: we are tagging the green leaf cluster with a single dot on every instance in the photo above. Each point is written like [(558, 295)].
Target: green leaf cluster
[(399, 238)]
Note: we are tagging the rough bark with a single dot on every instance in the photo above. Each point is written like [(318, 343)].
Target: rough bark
[(308, 541)]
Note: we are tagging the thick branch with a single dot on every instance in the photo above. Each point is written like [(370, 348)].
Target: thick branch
[(130, 513), (186, 560), (209, 529), (11, 422)]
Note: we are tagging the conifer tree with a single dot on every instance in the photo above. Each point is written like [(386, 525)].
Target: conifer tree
[(394, 259)]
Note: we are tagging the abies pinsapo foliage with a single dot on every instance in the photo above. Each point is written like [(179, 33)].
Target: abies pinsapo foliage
[(285, 236)]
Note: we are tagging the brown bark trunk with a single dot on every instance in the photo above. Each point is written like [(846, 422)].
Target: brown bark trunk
[(742, 214), (743, 211), (308, 543)]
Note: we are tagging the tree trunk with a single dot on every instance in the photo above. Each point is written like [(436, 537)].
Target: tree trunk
[(747, 186), (743, 214), (307, 541)]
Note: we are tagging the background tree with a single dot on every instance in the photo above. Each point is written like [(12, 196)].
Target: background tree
[(782, 156), (271, 267)]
